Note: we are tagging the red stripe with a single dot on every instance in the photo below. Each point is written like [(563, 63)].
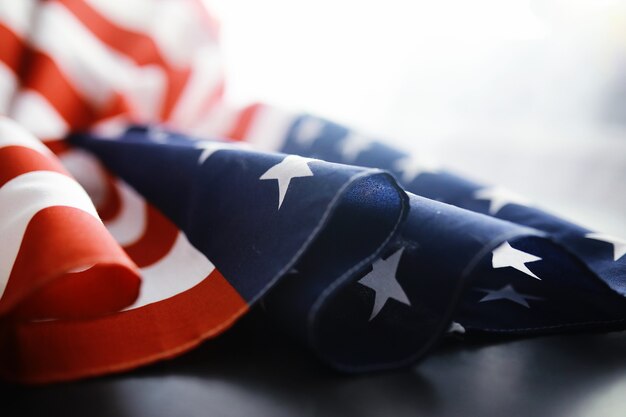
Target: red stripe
[(45, 77), (177, 80), (17, 160), (244, 121), (12, 48), (119, 342), (160, 233), (139, 47), (58, 147), (58, 239), (157, 240), (112, 204)]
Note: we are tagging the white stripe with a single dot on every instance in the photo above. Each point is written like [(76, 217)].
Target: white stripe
[(146, 91), (8, 86), (80, 269), (136, 15), (179, 31), (269, 128), (89, 173), (206, 74), (96, 70), (35, 113), (12, 134), (24, 196), (130, 225), (182, 268), (217, 123), (17, 15)]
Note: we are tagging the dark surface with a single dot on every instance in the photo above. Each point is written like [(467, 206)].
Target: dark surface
[(253, 371)]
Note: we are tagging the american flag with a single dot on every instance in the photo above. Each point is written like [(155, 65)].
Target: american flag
[(141, 214)]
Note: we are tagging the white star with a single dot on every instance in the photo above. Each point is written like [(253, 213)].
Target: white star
[(209, 147), (505, 255), (411, 166), (308, 131), (619, 245), (291, 167), (456, 328), (507, 293), (382, 279), (352, 145), (499, 197), (157, 134)]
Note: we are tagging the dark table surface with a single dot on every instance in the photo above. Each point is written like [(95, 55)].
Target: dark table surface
[(255, 371)]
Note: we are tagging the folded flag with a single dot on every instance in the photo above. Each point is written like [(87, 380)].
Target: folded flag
[(126, 245)]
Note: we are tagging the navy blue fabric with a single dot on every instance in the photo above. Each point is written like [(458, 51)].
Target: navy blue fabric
[(437, 264), (310, 258)]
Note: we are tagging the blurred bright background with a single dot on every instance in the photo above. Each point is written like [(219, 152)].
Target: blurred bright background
[(526, 94)]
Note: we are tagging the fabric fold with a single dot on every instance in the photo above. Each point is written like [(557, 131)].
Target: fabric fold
[(594, 259), (364, 287), (195, 232), (58, 262)]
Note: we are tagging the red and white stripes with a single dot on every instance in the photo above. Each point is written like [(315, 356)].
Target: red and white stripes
[(74, 63), (44, 218), (70, 65), (98, 63), (59, 264)]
